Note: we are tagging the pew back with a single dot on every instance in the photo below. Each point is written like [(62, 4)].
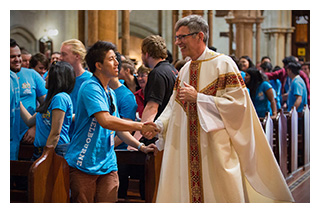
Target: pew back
[(49, 178), (281, 150), (267, 125), (292, 121)]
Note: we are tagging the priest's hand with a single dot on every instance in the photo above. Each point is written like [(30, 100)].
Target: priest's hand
[(149, 130), (188, 93)]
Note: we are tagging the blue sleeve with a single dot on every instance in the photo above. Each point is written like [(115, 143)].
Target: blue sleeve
[(297, 89), (128, 107), (94, 98), (265, 86), (60, 101), (40, 85)]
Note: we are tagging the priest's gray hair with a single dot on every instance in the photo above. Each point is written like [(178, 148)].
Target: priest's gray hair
[(195, 23)]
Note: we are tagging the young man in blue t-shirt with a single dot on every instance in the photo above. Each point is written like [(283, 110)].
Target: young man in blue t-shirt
[(32, 89), (297, 94), (14, 116), (73, 51), (91, 155)]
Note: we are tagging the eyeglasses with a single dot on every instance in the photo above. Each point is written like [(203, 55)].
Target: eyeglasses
[(183, 36), (142, 75)]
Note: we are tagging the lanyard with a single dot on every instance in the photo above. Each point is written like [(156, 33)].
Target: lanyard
[(108, 93)]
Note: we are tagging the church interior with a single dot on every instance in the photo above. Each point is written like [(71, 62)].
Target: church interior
[(253, 33)]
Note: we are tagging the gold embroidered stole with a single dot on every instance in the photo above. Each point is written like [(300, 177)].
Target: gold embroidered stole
[(194, 154)]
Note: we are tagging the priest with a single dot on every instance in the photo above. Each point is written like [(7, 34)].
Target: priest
[(214, 147)]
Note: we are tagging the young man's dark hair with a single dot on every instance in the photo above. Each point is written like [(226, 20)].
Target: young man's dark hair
[(61, 79), (266, 66), (288, 59), (294, 67), (265, 57), (97, 53), (13, 43)]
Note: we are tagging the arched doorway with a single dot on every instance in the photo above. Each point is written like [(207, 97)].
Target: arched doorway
[(24, 38)]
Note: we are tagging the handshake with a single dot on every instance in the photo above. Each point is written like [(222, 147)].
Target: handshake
[(149, 130)]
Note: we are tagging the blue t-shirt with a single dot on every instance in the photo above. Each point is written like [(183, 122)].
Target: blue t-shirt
[(261, 102), (126, 102), (91, 149), (287, 84), (127, 105), (14, 116), (45, 75), (297, 87), (60, 101), (74, 94), (276, 85), (32, 86)]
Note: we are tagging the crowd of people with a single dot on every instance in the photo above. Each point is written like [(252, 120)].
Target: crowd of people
[(88, 102), (272, 88)]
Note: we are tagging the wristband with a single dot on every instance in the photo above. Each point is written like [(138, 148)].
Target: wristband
[(141, 144)]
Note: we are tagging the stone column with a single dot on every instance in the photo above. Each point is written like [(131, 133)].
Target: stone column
[(186, 13), (274, 47), (160, 22), (93, 29), (108, 26), (258, 36), (248, 40), (244, 21), (229, 19), (81, 26), (240, 39), (259, 20), (197, 12), (231, 37), (210, 23), (288, 43), (125, 14), (258, 44), (175, 53)]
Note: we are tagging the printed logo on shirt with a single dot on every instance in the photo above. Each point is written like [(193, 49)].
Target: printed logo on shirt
[(46, 118), (27, 88), (88, 140), (261, 96)]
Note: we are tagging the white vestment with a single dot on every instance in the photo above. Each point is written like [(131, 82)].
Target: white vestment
[(215, 150)]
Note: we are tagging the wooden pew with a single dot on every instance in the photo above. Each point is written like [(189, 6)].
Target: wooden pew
[(267, 125), (139, 158), (304, 138), (280, 142), (292, 121), (49, 178), (19, 171), (25, 151)]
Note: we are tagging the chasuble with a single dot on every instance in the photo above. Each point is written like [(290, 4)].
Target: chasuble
[(215, 150)]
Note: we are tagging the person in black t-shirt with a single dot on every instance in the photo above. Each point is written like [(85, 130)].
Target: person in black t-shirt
[(161, 79)]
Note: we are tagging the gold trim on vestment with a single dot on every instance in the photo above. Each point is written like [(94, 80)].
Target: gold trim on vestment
[(228, 80), (194, 149)]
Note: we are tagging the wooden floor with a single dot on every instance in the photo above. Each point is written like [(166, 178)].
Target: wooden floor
[(299, 187)]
